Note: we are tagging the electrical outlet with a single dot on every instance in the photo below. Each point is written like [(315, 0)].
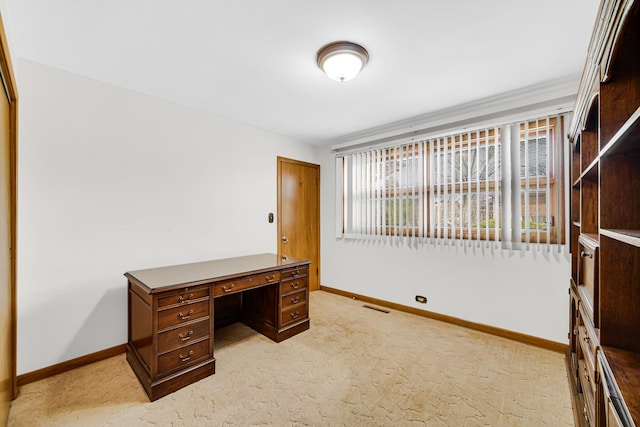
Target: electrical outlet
[(421, 299)]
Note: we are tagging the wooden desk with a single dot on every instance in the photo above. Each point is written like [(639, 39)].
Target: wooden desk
[(172, 314)]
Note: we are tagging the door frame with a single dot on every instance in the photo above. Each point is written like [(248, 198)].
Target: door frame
[(9, 82), (281, 161)]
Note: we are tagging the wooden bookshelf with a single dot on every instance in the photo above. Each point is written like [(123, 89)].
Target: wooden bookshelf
[(605, 224)]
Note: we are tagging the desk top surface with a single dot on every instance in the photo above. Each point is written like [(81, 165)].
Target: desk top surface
[(199, 272)]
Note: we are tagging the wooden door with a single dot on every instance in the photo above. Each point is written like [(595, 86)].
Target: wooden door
[(299, 214), (7, 232)]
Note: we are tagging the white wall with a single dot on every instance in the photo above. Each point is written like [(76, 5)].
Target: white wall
[(520, 291), (111, 181)]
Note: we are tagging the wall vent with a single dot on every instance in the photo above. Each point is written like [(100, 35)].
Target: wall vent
[(376, 308)]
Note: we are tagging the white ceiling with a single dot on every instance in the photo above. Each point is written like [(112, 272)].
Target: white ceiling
[(253, 61)]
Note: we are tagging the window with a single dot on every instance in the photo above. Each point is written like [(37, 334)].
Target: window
[(466, 186), (540, 165), (496, 184)]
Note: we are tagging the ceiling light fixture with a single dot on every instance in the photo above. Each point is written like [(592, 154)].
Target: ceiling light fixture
[(343, 60)]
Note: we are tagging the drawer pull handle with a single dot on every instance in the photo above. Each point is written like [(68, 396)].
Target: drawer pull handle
[(231, 286), (188, 336), (295, 300), (181, 299), (270, 278), (295, 285), (584, 254), (187, 357), (585, 412), (183, 317), (295, 273), (295, 314), (586, 339)]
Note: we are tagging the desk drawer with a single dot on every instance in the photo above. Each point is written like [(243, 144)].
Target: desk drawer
[(182, 314), (293, 285), (182, 336), (293, 314), (295, 273), (183, 357), (294, 299), (182, 296), (232, 286)]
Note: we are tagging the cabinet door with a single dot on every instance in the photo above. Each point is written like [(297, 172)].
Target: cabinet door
[(588, 276), (613, 407), (612, 419)]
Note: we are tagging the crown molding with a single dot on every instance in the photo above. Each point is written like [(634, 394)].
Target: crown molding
[(555, 96)]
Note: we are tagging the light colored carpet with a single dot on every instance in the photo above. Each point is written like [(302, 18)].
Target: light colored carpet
[(354, 367)]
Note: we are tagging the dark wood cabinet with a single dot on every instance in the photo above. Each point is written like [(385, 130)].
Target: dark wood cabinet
[(604, 335), (173, 312)]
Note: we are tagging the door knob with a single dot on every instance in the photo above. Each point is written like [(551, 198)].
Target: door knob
[(284, 257), (284, 239)]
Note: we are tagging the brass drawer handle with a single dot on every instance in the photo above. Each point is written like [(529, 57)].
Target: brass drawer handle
[(270, 278), (183, 317), (186, 337), (294, 315), (231, 286), (586, 375), (586, 339), (187, 357), (181, 299), (585, 412), (584, 254), (295, 300), (295, 285), (295, 273)]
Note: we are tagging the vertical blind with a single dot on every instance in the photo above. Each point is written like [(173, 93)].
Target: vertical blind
[(501, 185), (466, 185)]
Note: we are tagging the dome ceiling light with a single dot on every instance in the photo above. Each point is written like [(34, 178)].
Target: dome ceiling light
[(342, 60)]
